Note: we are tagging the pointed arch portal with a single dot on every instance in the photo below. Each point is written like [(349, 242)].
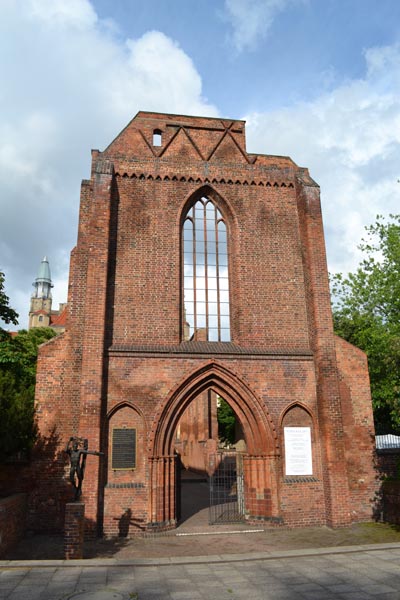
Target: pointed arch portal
[(261, 440)]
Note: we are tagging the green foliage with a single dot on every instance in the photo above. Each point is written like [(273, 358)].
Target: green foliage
[(366, 312), (18, 358), (226, 422), (7, 314)]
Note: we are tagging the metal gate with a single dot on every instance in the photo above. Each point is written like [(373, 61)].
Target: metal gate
[(226, 488)]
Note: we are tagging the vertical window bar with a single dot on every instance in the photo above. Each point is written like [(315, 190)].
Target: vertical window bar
[(205, 204), (217, 274), (194, 273), (205, 252)]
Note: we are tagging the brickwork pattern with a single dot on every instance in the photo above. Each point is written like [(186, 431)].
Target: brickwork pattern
[(12, 521), (123, 359), (74, 530)]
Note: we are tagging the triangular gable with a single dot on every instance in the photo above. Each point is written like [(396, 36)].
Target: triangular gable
[(181, 145), (228, 151), (205, 139), (130, 141)]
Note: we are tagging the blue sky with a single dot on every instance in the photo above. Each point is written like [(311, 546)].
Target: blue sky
[(318, 80)]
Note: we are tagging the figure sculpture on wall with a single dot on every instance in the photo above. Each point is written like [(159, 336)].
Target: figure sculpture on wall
[(77, 449)]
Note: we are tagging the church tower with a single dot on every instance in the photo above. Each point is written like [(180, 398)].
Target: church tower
[(41, 299)]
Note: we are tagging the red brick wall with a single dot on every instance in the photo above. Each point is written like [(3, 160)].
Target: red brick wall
[(358, 428), (124, 359), (12, 521)]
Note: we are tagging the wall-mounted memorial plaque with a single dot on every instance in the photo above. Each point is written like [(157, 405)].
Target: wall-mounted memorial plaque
[(298, 455), (123, 449)]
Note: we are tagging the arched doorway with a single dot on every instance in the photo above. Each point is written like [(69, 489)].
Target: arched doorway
[(259, 459)]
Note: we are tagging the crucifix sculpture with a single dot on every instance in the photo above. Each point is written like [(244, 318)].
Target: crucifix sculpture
[(77, 449)]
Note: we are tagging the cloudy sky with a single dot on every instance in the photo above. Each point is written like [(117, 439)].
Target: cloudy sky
[(318, 80)]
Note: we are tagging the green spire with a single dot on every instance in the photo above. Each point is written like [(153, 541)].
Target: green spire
[(43, 283)]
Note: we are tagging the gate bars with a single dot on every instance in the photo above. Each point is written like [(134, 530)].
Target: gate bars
[(226, 488)]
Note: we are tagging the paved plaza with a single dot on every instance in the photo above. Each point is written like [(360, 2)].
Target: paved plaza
[(349, 573)]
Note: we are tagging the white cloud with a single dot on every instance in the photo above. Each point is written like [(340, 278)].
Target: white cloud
[(251, 20), (350, 141), (69, 84), (74, 13)]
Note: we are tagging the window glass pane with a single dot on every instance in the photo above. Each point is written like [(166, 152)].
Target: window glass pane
[(189, 295), (210, 210), (224, 308), (199, 220), (211, 231), (212, 283), (223, 260), (221, 237), (200, 295), (223, 283), (188, 246), (212, 308), (188, 258), (188, 283), (212, 296), (200, 271), (223, 271), (189, 308), (200, 232), (219, 216), (213, 335), (200, 259), (199, 211), (213, 322), (188, 230), (201, 283), (190, 320), (188, 270), (200, 308), (212, 258), (224, 296), (224, 322), (222, 248), (212, 271), (225, 335), (201, 321), (200, 247)]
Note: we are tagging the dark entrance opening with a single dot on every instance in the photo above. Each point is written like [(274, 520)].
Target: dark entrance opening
[(209, 477), (226, 488)]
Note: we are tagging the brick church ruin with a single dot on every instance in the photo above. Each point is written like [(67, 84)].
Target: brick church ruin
[(199, 277)]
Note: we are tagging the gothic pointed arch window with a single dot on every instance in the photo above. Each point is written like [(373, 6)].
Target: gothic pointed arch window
[(206, 314)]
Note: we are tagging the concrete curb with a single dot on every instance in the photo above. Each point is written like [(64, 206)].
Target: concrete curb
[(189, 560)]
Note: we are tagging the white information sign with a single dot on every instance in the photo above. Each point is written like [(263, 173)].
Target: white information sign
[(298, 456)]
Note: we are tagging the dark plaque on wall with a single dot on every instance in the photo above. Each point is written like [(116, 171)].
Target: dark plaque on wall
[(124, 449)]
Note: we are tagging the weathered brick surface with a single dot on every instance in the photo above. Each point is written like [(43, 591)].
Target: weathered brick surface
[(123, 360), (12, 521), (74, 528)]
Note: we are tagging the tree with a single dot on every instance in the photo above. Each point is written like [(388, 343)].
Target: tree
[(18, 358), (226, 422), (7, 314), (366, 312)]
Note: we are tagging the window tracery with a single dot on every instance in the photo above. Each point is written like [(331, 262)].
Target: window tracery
[(205, 274)]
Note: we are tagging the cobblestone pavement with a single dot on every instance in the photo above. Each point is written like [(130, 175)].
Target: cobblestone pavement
[(348, 573)]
